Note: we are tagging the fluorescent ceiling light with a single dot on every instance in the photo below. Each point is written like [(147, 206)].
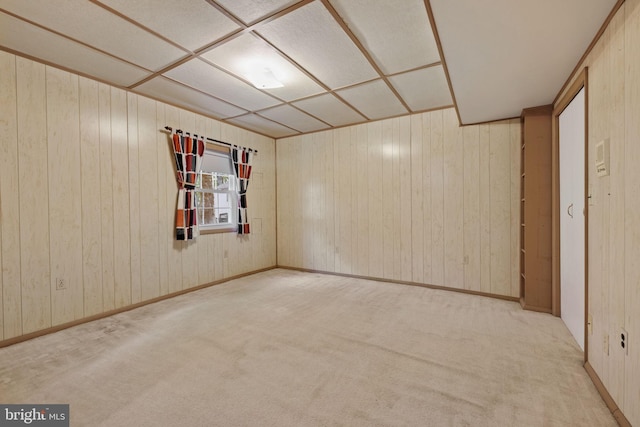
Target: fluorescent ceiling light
[(264, 79)]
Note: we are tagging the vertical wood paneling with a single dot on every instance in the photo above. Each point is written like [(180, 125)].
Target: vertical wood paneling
[(485, 208), (602, 92), (616, 105), (374, 190), (632, 209), (33, 186), (453, 202), (320, 211), (120, 181), (343, 151), (134, 198), (329, 200), (91, 200), (311, 194), (388, 207), (218, 249), (164, 163), (269, 180), (87, 195), (106, 192), (256, 242), (265, 194), (405, 208), (471, 207), (283, 197), (417, 200), (65, 209), (406, 192), (614, 223), (500, 208), (308, 195), (359, 136), (338, 208), (148, 172), (10, 301), (174, 256), (437, 199), (427, 256), (396, 205), (515, 148), (297, 206), (596, 225), (353, 184)]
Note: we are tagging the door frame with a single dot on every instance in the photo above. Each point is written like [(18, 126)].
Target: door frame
[(579, 83)]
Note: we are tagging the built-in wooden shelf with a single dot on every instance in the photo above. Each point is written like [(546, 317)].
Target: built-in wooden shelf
[(535, 213)]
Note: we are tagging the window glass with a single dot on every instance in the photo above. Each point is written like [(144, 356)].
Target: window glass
[(216, 194)]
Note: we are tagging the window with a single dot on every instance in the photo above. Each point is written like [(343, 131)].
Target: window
[(216, 192)]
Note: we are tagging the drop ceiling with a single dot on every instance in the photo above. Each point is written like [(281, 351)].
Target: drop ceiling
[(340, 62)]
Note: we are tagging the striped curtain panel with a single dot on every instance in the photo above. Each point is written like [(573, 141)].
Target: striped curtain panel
[(242, 168), (188, 155)]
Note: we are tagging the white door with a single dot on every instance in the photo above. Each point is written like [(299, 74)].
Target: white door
[(572, 219)]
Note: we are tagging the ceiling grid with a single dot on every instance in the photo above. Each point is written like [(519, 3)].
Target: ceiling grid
[(339, 62)]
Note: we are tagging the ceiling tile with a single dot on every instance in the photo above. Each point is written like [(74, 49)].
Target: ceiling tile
[(263, 126), (423, 89), (36, 42), (312, 38), (374, 99), (176, 94), (97, 27), (330, 109), (206, 78), (251, 10), (504, 55), (247, 53), (296, 119), (205, 23), (397, 33)]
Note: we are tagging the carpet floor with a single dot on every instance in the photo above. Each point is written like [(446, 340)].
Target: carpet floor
[(286, 348)]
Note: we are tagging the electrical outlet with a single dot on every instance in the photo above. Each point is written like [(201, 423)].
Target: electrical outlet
[(605, 344), (624, 341), (60, 284), (465, 260)]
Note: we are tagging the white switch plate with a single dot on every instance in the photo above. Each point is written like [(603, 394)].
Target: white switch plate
[(602, 158)]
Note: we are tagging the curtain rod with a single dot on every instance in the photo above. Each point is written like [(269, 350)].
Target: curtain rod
[(170, 129)]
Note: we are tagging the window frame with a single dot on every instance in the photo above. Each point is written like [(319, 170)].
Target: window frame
[(232, 226)]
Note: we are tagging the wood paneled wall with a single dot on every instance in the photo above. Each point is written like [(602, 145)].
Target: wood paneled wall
[(415, 198), (614, 208), (88, 193)]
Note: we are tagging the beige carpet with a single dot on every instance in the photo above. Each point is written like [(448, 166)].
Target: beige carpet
[(284, 348)]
